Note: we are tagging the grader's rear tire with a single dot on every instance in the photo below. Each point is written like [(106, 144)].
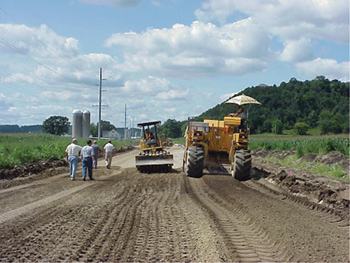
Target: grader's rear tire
[(195, 162), (242, 165)]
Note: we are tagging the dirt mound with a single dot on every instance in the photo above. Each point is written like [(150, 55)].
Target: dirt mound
[(31, 168), (334, 158), (320, 190), (31, 172)]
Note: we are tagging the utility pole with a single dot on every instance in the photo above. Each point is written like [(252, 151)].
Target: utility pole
[(125, 124), (99, 106)]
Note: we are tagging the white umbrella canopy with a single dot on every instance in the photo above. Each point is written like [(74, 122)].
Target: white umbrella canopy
[(242, 99)]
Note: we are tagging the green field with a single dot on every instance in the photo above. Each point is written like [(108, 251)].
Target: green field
[(17, 149), (302, 144)]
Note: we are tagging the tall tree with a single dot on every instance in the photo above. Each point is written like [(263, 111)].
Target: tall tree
[(106, 126), (171, 128), (56, 125)]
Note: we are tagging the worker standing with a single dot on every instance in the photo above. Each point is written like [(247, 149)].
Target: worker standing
[(108, 152), (72, 155), (96, 150), (87, 154)]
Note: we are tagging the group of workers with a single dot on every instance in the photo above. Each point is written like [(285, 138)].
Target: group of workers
[(89, 156)]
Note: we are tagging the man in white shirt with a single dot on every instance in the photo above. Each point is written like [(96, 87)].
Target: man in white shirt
[(108, 151), (72, 155)]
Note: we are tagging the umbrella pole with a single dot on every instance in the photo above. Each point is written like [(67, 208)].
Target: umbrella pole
[(248, 111)]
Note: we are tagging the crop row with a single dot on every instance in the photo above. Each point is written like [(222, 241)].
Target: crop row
[(304, 146)]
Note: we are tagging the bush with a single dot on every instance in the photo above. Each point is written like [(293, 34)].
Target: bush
[(301, 128), (277, 126)]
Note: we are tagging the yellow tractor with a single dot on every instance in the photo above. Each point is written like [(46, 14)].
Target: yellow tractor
[(167, 142), (152, 157), (218, 146)]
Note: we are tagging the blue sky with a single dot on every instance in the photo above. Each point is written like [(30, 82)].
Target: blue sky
[(164, 59)]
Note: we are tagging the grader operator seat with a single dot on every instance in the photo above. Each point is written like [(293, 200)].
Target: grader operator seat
[(151, 141)]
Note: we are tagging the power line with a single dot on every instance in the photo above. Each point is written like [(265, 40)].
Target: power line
[(7, 43), (31, 58), (42, 41)]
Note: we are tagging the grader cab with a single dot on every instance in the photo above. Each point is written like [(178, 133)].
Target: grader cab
[(217, 145), (152, 157)]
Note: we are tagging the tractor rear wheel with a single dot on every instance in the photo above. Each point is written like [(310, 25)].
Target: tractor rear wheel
[(195, 162), (242, 165)]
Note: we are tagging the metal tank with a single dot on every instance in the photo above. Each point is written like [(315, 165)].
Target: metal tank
[(77, 124), (86, 124)]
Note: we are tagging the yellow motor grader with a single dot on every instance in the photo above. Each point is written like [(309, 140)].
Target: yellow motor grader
[(217, 145), (152, 157)]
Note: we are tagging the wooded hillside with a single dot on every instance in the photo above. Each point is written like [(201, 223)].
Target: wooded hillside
[(317, 103)]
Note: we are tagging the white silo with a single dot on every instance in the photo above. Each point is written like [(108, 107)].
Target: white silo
[(86, 124), (77, 124)]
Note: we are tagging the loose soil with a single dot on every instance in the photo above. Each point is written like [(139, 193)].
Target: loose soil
[(281, 214)]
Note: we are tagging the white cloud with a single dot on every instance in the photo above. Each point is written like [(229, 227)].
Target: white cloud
[(173, 95), (294, 23), (172, 110), (199, 50), (48, 58), (329, 68), (289, 19), (113, 3), (297, 51), (150, 85), (37, 43), (5, 104)]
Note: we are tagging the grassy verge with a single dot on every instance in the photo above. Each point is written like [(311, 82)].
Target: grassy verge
[(17, 149), (334, 171)]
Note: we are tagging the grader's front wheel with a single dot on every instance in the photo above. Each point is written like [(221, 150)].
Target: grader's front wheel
[(242, 165)]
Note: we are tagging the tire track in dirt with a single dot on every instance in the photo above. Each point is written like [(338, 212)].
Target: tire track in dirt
[(153, 227), (60, 233), (128, 217), (327, 213), (297, 232), (27, 208), (246, 241)]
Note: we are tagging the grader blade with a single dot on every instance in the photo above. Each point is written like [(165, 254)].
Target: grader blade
[(148, 164)]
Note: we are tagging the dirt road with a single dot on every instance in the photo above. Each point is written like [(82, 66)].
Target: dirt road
[(127, 216)]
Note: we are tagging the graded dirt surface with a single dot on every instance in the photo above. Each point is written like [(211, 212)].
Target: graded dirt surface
[(127, 216)]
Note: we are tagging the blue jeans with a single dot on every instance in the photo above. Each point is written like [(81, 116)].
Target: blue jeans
[(95, 162), (73, 164), (87, 165)]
